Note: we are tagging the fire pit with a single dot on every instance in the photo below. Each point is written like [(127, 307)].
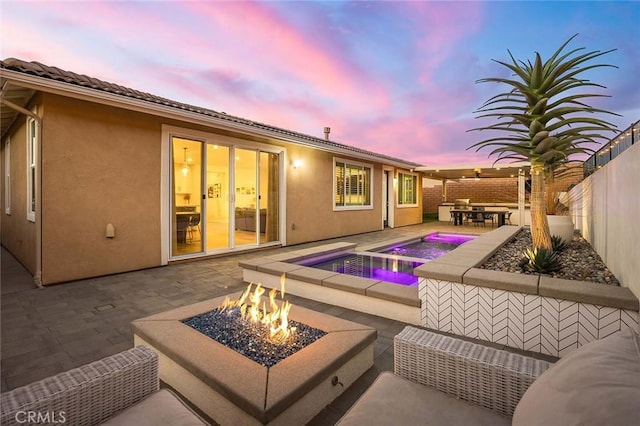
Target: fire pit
[(247, 326), (233, 388)]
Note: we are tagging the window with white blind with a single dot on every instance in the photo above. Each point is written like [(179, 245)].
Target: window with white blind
[(353, 185), (407, 190), (32, 150)]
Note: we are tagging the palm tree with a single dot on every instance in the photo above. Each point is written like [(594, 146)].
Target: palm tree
[(545, 119)]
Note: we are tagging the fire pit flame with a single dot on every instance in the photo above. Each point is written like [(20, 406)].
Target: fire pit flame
[(275, 318)]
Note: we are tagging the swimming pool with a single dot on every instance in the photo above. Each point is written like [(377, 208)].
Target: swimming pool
[(379, 267), (392, 263), (428, 247)]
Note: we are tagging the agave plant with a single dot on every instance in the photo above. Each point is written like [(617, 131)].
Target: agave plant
[(558, 244), (541, 260), (546, 120)]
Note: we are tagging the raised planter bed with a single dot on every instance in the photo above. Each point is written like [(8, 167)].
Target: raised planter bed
[(529, 312)]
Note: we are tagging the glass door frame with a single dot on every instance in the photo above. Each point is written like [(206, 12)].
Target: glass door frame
[(167, 197), (195, 206)]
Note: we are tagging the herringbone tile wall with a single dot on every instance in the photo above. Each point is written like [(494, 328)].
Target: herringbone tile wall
[(524, 321)]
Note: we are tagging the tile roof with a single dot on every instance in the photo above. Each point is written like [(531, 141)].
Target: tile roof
[(54, 73)]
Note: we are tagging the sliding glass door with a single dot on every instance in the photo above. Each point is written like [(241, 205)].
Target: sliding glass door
[(269, 197), (186, 208), (218, 199), (246, 213), (224, 197)]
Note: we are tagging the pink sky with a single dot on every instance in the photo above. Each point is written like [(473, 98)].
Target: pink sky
[(397, 78)]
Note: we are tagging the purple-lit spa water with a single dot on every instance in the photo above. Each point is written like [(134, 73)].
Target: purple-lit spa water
[(429, 247), (380, 268)]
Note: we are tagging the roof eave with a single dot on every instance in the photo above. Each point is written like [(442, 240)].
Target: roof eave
[(166, 111)]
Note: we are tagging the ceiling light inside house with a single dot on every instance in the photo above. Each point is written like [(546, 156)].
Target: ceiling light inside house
[(185, 166)]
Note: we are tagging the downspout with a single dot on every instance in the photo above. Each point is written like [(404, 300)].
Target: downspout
[(37, 276)]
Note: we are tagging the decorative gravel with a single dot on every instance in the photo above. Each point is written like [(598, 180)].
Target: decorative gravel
[(252, 340), (579, 260)]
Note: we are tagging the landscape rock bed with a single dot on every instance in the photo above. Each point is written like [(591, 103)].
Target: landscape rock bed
[(579, 260)]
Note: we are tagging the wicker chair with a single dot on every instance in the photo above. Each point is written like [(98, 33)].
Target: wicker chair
[(122, 389), (444, 380)]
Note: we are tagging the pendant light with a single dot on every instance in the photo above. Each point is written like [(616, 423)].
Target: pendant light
[(185, 166)]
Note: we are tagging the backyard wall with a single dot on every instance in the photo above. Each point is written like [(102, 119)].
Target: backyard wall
[(605, 207), (497, 190), (500, 190)]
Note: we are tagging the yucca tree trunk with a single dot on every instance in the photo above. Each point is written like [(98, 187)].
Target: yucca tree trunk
[(540, 235)]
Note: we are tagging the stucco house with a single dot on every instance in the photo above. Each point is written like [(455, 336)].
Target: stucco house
[(99, 179)]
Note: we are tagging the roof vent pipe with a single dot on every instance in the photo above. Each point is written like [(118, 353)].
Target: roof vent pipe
[(327, 130)]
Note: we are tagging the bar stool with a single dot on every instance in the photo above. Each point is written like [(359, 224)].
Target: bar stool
[(490, 216)]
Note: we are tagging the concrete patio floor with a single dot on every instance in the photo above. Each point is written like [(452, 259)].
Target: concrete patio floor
[(52, 329)]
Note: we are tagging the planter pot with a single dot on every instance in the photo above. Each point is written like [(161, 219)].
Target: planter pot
[(561, 226)]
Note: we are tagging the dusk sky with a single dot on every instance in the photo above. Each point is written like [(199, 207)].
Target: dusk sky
[(396, 78)]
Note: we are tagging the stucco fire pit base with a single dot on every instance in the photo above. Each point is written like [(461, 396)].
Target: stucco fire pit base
[(232, 389)]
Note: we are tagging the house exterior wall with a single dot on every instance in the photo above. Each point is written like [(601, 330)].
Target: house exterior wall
[(18, 234), (101, 165), (310, 200), (404, 216)]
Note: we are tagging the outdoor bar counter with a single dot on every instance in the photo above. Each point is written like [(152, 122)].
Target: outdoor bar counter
[(444, 210)]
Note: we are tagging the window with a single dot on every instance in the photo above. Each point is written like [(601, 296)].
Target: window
[(7, 176), (352, 185), (407, 189), (32, 149)]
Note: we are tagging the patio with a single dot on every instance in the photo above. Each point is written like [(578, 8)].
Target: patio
[(50, 330)]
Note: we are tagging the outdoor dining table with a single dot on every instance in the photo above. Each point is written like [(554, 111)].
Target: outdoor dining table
[(458, 215)]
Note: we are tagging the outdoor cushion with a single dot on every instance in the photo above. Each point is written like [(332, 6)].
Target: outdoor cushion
[(394, 400), (597, 384), (160, 408)]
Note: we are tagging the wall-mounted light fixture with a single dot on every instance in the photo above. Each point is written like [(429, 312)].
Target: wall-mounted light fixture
[(297, 164)]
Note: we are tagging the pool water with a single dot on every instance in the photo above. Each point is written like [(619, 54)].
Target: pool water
[(429, 247), (395, 271), (393, 264)]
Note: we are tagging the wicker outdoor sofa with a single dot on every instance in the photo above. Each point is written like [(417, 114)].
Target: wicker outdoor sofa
[(442, 380), (122, 389)]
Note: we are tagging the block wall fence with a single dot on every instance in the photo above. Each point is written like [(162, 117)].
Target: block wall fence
[(497, 190)]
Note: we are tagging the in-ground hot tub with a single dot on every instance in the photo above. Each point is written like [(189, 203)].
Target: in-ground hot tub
[(232, 389), (389, 269)]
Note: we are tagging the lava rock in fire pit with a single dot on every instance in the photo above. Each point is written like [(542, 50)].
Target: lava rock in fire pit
[(227, 327)]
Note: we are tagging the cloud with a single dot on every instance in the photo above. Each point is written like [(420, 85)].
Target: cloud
[(396, 78)]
